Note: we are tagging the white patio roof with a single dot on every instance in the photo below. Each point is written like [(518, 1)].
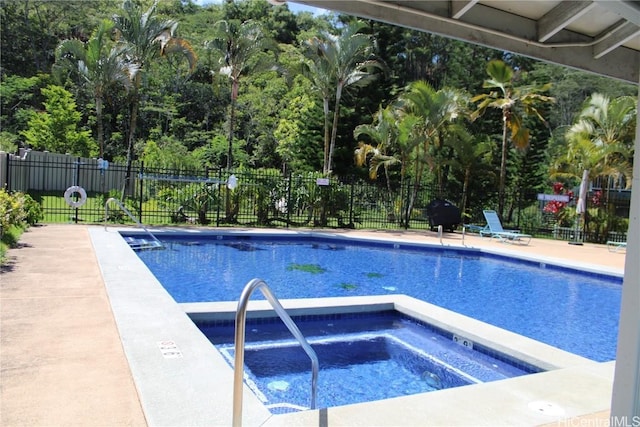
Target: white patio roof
[(601, 36)]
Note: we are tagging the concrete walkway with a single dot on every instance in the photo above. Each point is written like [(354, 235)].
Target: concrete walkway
[(60, 352), (61, 357)]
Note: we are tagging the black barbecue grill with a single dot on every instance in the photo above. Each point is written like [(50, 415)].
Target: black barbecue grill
[(444, 213)]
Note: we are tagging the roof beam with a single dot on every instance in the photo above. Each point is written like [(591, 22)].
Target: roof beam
[(629, 10), (560, 16), (460, 7), (618, 36), (496, 29)]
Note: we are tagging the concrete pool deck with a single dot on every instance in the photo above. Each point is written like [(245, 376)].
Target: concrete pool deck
[(63, 359)]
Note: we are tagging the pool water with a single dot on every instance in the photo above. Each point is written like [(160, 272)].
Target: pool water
[(362, 357), (577, 312)]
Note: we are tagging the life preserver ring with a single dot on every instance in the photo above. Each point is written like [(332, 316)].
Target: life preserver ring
[(75, 203)]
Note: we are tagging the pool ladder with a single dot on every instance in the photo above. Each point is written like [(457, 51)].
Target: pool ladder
[(241, 317), (133, 242)]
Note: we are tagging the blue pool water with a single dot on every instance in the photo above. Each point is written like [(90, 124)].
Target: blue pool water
[(362, 357), (577, 312)]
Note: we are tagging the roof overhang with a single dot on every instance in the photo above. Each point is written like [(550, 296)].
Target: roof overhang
[(601, 36)]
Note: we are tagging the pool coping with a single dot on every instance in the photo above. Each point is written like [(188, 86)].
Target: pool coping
[(183, 380)]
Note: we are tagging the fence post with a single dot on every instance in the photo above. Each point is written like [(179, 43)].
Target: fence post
[(141, 177), (406, 207), (219, 197), (351, 221), (76, 181), (289, 204), (7, 159)]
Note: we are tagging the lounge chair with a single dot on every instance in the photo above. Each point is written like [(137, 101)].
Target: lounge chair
[(616, 246), (476, 228), (506, 236)]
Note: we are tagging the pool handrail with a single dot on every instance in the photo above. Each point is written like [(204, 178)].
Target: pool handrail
[(158, 243), (241, 317)]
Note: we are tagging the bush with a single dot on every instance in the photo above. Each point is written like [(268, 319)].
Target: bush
[(17, 212), (32, 209)]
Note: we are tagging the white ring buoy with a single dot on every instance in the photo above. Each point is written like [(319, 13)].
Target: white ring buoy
[(75, 203)]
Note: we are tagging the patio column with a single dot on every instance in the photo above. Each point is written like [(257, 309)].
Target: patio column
[(625, 401)]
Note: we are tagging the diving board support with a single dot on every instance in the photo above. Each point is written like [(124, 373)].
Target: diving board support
[(238, 365)]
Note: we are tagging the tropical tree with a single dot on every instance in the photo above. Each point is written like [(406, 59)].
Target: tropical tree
[(437, 112), (601, 141), (294, 131), (515, 103), (384, 133), (145, 35), (240, 48), (100, 66), (56, 128), (337, 63), (471, 157)]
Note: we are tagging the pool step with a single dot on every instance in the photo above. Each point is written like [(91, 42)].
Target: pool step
[(139, 243)]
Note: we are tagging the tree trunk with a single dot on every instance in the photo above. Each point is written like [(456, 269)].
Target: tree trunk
[(100, 126), (232, 119), (132, 130), (465, 189), (503, 166), (100, 139), (327, 136), (334, 129)]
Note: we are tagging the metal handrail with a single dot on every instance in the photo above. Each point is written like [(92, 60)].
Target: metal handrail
[(241, 317), (133, 218)]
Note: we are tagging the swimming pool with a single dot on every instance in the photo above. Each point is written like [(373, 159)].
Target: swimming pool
[(363, 357), (570, 310)]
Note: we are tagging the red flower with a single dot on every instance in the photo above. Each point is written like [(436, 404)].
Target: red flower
[(558, 188), (554, 207)]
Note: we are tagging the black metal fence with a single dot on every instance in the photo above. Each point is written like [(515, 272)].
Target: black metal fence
[(266, 198)]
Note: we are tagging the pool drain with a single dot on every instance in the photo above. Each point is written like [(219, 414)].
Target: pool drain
[(546, 408)]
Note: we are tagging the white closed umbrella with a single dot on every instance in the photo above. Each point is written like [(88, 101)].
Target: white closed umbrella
[(581, 205)]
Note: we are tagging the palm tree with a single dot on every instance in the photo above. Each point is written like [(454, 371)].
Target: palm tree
[(515, 104), (100, 66), (437, 111), (338, 63), (145, 36), (470, 157), (601, 140), (239, 47), (384, 133)]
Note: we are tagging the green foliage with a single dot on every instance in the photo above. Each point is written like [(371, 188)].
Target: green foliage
[(8, 142), (17, 212), (9, 239), (183, 202), (169, 154), (56, 129), (266, 190), (184, 117), (10, 210), (33, 212), (332, 201), (299, 147)]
